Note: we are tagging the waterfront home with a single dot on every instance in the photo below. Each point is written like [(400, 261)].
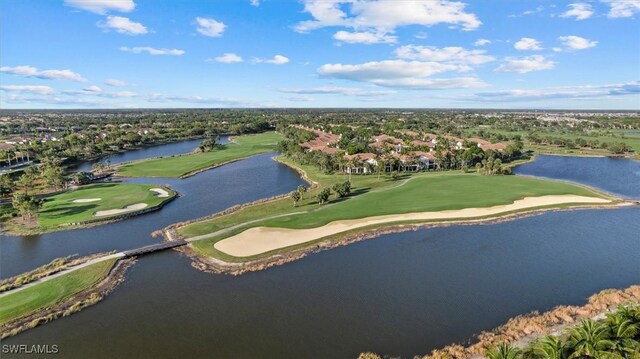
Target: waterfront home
[(360, 163), (427, 159)]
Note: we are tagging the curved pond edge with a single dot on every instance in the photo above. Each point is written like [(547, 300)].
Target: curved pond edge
[(74, 304), (18, 230)]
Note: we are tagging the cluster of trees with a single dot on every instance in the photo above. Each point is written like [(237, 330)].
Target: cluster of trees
[(89, 134), (27, 205), (617, 336), (341, 190), (209, 144), (615, 147), (492, 166)]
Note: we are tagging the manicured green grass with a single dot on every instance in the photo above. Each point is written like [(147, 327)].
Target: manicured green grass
[(46, 294), (628, 137), (179, 166), (373, 196), (428, 194), (60, 210)]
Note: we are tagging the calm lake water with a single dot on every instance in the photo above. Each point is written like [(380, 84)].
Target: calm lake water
[(168, 149), (399, 294), (209, 192), (618, 176)]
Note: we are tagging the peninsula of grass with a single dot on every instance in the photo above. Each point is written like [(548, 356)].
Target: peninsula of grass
[(186, 165), (57, 290), (79, 206), (374, 196)]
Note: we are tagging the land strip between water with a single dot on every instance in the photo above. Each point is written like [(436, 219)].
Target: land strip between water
[(266, 233)]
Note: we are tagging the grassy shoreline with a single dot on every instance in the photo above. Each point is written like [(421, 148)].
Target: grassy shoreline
[(15, 305), (186, 165), (233, 222), (62, 211), (60, 296)]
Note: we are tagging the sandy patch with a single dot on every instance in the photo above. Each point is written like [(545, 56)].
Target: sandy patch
[(85, 200), (160, 192), (111, 212), (264, 239)]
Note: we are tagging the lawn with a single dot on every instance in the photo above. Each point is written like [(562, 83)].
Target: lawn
[(180, 166), (422, 192), (46, 294), (60, 209), (631, 138)]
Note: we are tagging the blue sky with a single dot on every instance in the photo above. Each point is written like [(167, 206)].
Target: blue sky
[(582, 54)]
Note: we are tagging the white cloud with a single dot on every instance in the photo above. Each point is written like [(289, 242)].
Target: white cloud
[(115, 83), (526, 64), (276, 60), (527, 43), (348, 91), (228, 58), (30, 71), (40, 90), (381, 17), (121, 94), (300, 98), (254, 2), (152, 51), (364, 37), (401, 73), (102, 6), (482, 42), (97, 91), (576, 42), (580, 11), (123, 25), (210, 27), (217, 101), (537, 10), (93, 89), (622, 8), (456, 55), (589, 91), (421, 35)]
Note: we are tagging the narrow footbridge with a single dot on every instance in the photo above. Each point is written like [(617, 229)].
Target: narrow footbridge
[(153, 248)]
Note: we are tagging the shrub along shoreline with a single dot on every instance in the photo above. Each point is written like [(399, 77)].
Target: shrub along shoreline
[(555, 332)]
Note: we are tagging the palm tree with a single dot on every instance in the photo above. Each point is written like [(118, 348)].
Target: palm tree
[(8, 153), (589, 339), (622, 332), (549, 347), (504, 351)]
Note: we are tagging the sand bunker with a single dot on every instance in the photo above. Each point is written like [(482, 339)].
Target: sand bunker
[(264, 239), (160, 192), (85, 200), (112, 212)]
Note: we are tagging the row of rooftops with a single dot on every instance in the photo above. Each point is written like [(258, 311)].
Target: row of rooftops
[(325, 142)]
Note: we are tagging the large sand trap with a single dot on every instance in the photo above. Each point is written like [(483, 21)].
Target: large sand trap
[(111, 212), (264, 239), (85, 200), (160, 192)]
